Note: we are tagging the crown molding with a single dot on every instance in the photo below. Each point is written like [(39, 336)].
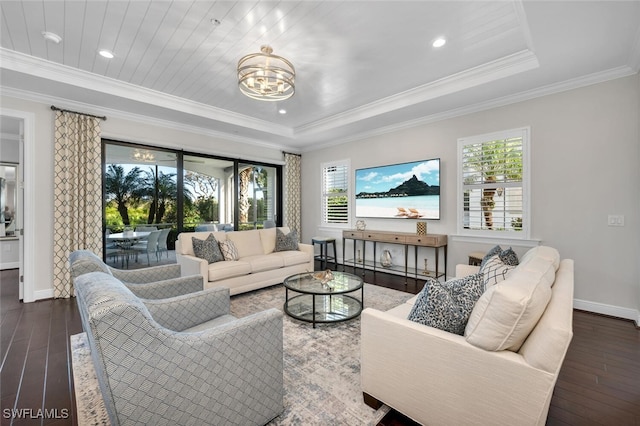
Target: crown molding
[(37, 67), (506, 66), (576, 83), (138, 118)]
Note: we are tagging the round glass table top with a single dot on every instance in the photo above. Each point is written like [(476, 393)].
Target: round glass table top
[(318, 283)]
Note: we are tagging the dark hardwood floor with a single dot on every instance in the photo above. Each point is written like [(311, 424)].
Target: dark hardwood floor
[(599, 383)]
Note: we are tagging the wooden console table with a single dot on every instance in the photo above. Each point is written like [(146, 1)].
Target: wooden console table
[(406, 239)]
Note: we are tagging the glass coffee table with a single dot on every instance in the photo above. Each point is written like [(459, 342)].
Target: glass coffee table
[(316, 302)]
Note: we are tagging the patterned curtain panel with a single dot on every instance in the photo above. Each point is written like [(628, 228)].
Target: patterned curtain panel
[(77, 191), (292, 190)]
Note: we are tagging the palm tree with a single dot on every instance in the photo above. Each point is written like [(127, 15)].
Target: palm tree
[(122, 188), (164, 196), (243, 202)]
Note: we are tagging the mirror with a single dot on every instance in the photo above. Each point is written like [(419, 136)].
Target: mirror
[(8, 199)]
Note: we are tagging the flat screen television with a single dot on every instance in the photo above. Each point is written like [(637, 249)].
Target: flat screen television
[(402, 191)]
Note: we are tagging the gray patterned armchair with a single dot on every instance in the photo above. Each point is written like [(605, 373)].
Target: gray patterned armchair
[(158, 282), (183, 360)]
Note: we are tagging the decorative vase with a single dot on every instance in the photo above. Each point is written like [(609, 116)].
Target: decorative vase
[(421, 228), (385, 259), (361, 225), (426, 270)]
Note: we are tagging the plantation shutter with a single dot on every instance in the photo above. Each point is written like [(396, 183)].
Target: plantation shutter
[(493, 186), (335, 184)]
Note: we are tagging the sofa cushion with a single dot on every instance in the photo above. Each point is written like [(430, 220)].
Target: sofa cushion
[(263, 262), (506, 313), (207, 249), (292, 257), (544, 252), (229, 250), (285, 242), (247, 242), (268, 238), (447, 305), (228, 269)]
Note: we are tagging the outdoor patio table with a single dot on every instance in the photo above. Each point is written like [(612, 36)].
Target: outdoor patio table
[(125, 242)]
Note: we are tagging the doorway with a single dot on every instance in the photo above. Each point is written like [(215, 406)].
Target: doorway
[(16, 150)]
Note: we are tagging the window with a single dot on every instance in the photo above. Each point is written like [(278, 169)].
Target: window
[(335, 192), (493, 193)]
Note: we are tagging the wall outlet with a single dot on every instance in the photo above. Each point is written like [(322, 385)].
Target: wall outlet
[(615, 220)]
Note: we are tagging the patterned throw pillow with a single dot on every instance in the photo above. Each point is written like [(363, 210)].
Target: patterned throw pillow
[(509, 257), (207, 249), (495, 270), (286, 242), (229, 250), (490, 254), (447, 305)]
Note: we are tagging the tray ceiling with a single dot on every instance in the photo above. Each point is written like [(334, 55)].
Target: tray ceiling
[(362, 67)]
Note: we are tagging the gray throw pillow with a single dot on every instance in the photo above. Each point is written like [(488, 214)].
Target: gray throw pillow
[(447, 305), (207, 249), (286, 242), (495, 250)]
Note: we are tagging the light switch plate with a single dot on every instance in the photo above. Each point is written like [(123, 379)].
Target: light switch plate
[(615, 220)]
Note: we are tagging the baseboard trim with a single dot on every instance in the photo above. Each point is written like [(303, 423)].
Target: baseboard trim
[(43, 294), (614, 311), (9, 265)]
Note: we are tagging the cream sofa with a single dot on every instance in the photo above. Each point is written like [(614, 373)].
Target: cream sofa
[(258, 265), (501, 372)]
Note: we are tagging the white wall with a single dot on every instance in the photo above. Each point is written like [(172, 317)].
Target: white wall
[(114, 128), (585, 150)]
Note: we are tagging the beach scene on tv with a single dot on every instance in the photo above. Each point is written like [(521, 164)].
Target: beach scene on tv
[(405, 191)]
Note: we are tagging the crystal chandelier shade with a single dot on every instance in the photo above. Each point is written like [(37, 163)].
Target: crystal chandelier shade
[(265, 76)]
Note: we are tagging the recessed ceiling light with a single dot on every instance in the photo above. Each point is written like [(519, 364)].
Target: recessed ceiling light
[(282, 111), (106, 54), (439, 42), (52, 37)]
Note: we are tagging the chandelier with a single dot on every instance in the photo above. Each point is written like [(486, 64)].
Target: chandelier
[(265, 76), (143, 155)]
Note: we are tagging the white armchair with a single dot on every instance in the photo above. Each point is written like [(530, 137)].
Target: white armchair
[(439, 378)]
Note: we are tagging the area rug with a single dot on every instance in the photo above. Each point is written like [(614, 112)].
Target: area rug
[(321, 365)]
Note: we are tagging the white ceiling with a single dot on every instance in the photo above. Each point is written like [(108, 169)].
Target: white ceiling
[(363, 67)]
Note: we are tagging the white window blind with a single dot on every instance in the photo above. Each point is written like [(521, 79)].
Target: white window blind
[(335, 193), (493, 184)]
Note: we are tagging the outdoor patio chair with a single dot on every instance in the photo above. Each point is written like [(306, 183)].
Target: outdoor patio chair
[(148, 246), (162, 242)]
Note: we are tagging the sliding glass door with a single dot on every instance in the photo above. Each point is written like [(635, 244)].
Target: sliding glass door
[(257, 196), (148, 188), (209, 183)]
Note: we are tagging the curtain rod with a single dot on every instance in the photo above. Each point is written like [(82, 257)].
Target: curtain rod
[(291, 153), (55, 108)]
